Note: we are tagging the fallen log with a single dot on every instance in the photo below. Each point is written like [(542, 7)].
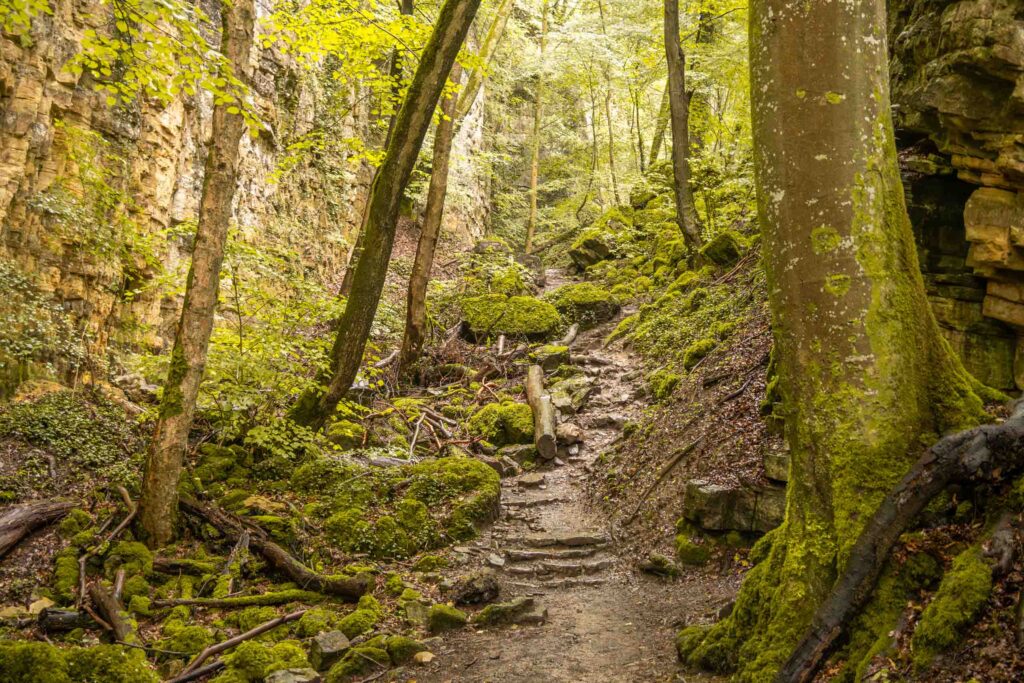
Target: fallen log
[(177, 565), (114, 612), (975, 456), (543, 413), (260, 600), (58, 620), (348, 589), (21, 520)]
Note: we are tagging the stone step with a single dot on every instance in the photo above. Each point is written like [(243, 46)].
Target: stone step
[(574, 582), (563, 568), (569, 539), (519, 555), (532, 502)]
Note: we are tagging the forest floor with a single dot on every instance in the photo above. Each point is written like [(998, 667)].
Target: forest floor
[(597, 617)]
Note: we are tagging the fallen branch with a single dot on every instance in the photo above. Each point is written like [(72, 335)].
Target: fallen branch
[(232, 642), (416, 435), (348, 589), (19, 521), (661, 477), (570, 336), (543, 413), (975, 456), (386, 360), (132, 509), (262, 600), (114, 612), (174, 565), (202, 671)]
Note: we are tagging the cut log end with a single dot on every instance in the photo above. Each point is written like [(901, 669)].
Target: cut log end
[(543, 413)]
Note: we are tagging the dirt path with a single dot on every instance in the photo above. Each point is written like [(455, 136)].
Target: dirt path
[(595, 617)]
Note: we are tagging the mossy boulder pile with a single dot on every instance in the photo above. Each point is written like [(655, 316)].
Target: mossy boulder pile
[(490, 315), (584, 303)]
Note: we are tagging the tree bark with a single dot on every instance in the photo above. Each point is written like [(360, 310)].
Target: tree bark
[(679, 117), (21, 520), (416, 306), (864, 372), (385, 198), (976, 456), (660, 127), (395, 72), (538, 113), (543, 413), (111, 609), (159, 501)]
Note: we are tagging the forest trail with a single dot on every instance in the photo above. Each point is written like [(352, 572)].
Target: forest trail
[(595, 617)]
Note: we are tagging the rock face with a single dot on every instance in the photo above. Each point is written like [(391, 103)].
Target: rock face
[(55, 131), (958, 88), (722, 508)]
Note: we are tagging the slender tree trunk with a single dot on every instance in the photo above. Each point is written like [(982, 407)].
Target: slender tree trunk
[(416, 307), (679, 104), (395, 72), (660, 127), (865, 375), (476, 76), (639, 130), (385, 197), (158, 505), (538, 113)]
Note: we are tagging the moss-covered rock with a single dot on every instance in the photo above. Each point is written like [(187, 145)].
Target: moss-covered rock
[(584, 303), (315, 621), (189, 639), (401, 649), (490, 315), (366, 615), (132, 556), (503, 423), (31, 662), (691, 553), (725, 248), (109, 664), (662, 383), (65, 575), (963, 592), (443, 617), (697, 351), (346, 433), (357, 662)]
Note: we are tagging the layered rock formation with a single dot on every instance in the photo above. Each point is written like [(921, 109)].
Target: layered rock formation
[(64, 150), (958, 90)]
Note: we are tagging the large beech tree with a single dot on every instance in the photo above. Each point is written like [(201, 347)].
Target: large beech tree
[(679, 117), (389, 184), (159, 502), (866, 379)]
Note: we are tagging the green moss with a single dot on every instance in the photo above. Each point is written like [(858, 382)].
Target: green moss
[(249, 661), (75, 522), (251, 617), (363, 618), (346, 433), (725, 248), (109, 664), (401, 649), (503, 423), (963, 592), (132, 556), (393, 584), (190, 640), (662, 383), (136, 585), (697, 351), (282, 597), (517, 316), (689, 552), (287, 654), (429, 563), (65, 575), (31, 662), (315, 621), (357, 662), (584, 303), (441, 617)]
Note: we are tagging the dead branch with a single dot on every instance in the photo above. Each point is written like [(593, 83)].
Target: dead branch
[(570, 336), (678, 458), (19, 521), (132, 509), (348, 589), (975, 456), (232, 642), (113, 611)]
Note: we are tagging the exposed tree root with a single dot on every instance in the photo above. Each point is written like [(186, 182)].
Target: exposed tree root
[(21, 520), (346, 588), (975, 456)]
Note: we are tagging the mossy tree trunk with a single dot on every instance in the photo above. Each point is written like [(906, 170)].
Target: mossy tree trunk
[(660, 127), (476, 76), (679, 117), (395, 73), (158, 504), (538, 115), (865, 376), (389, 184), (416, 306)]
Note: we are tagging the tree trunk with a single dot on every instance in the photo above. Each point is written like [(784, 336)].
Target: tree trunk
[(679, 116), (864, 373), (640, 151), (416, 307), (158, 504), (476, 76), (385, 197), (660, 127), (543, 413), (21, 520), (395, 72), (538, 112)]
